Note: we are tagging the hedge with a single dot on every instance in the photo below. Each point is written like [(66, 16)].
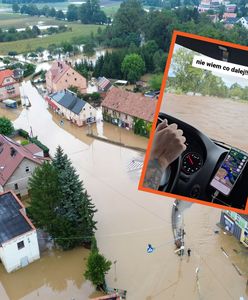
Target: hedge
[(34, 140)]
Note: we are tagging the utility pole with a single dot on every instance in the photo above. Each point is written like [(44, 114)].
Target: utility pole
[(115, 279)]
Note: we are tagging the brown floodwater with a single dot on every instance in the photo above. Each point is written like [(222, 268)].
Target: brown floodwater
[(222, 119), (10, 113), (128, 220), (57, 274)]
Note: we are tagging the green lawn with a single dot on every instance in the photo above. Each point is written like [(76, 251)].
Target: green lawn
[(20, 21), (29, 45), (8, 18)]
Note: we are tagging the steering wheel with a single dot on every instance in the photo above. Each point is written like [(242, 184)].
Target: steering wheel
[(196, 184), (171, 174)]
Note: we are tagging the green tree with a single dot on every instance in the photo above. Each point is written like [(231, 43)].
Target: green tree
[(128, 22), (159, 61), (90, 13), (60, 15), (45, 10), (158, 26), (35, 30), (75, 204), (67, 47), (133, 67), (89, 49), (147, 52), (156, 81), (60, 205), (15, 8), (97, 267), (45, 197), (72, 13), (6, 126), (187, 78), (52, 12), (23, 9)]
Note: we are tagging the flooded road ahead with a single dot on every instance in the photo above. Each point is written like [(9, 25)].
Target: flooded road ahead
[(221, 119), (127, 221)]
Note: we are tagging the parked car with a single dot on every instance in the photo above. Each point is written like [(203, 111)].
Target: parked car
[(152, 94)]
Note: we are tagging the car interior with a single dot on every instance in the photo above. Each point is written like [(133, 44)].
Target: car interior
[(208, 170)]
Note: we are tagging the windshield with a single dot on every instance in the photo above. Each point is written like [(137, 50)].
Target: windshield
[(213, 103)]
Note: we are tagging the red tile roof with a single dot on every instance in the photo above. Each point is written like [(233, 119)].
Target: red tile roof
[(11, 155), (4, 74), (58, 69), (227, 15), (133, 104), (33, 148)]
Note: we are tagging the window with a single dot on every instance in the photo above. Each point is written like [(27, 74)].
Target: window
[(20, 245), (66, 80), (125, 116), (75, 79), (16, 186), (27, 169)]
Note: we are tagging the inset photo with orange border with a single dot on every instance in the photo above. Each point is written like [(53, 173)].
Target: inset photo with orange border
[(198, 148)]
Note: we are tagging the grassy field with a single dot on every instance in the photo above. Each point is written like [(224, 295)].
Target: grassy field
[(20, 21), (110, 7), (29, 45), (110, 11)]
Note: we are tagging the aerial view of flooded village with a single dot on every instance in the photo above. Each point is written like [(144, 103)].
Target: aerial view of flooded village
[(79, 87)]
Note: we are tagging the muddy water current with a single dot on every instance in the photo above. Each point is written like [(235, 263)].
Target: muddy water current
[(221, 119), (127, 221)]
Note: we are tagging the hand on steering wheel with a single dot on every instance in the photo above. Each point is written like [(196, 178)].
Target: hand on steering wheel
[(168, 144)]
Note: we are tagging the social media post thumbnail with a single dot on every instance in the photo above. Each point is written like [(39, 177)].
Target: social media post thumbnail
[(198, 149)]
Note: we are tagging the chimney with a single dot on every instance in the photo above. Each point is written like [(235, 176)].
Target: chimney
[(12, 151)]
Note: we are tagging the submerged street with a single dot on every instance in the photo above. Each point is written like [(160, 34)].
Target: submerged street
[(128, 220)]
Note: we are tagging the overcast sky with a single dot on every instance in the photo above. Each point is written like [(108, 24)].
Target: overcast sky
[(228, 79)]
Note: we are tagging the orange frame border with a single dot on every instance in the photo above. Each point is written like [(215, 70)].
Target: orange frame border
[(162, 89)]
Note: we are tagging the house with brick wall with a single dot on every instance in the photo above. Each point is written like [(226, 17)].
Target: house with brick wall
[(9, 85), (129, 110), (61, 76)]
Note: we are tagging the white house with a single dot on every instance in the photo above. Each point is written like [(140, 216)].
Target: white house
[(17, 164), (18, 236), (244, 22), (74, 109)]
